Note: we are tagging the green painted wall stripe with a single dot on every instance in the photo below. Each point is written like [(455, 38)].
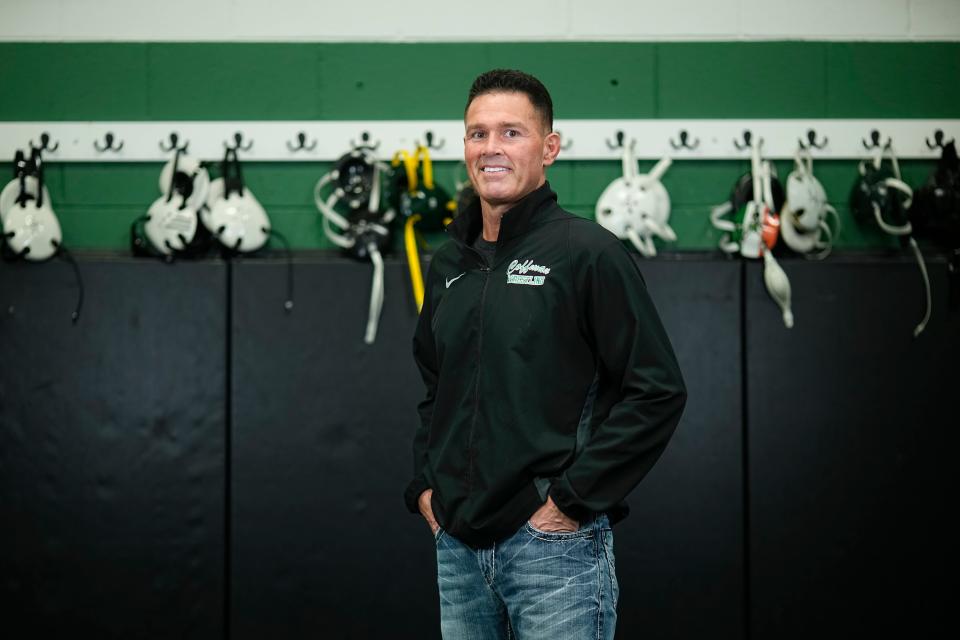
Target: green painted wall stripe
[(237, 81), (263, 82), (74, 82), (875, 80), (756, 80)]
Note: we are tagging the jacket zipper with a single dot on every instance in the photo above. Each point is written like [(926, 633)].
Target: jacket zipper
[(471, 451)]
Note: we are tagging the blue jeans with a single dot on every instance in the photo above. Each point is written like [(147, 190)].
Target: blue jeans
[(533, 585)]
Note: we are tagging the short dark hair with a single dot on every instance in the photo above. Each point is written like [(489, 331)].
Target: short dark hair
[(513, 81)]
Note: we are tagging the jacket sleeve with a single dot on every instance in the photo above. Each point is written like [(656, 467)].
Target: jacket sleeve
[(425, 355), (639, 379)]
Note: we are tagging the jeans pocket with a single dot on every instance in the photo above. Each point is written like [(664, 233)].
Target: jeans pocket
[(585, 531), (438, 534)]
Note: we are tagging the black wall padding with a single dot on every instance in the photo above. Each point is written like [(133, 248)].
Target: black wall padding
[(163, 476), (322, 546), (111, 450), (680, 552), (852, 450)]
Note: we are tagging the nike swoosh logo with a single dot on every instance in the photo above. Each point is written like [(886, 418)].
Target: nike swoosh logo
[(450, 281)]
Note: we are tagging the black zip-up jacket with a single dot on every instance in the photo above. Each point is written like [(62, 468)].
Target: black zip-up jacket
[(547, 373)]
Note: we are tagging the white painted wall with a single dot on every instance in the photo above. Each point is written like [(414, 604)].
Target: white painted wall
[(489, 20)]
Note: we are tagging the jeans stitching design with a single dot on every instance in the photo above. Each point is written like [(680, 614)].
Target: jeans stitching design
[(557, 536)]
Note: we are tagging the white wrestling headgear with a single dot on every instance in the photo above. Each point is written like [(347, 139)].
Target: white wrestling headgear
[(637, 206)]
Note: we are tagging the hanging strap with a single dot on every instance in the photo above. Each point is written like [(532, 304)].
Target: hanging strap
[(628, 163), (66, 255), (373, 204), (726, 244), (663, 230), (36, 159), (376, 294), (803, 161), (756, 170), (232, 175), (173, 174), (336, 237), (903, 230), (877, 157), (413, 259), (326, 208), (895, 230), (423, 155), (926, 285), (768, 185), (644, 243), (896, 182), (826, 246), (778, 285), (659, 169), (409, 166)]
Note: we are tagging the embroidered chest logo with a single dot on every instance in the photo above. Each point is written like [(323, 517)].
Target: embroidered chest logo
[(519, 272)]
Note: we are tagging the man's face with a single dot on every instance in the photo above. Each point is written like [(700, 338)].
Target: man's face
[(506, 147)]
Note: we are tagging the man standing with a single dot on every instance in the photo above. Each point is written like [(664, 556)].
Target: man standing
[(552, 389)]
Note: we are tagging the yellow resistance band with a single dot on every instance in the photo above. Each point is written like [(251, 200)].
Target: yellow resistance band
[(413, 260)]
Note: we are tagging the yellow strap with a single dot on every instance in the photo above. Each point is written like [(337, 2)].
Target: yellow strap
[(423, 154), (410, 165), (413, 260)]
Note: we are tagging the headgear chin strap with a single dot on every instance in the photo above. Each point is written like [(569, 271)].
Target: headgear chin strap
[(882, 196), (636, 206), (363, 232)]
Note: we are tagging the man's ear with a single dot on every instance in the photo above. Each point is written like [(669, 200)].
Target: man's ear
[(551, 148)]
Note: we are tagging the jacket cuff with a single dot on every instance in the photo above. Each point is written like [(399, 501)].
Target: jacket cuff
[(567, 501), (412, 494)]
